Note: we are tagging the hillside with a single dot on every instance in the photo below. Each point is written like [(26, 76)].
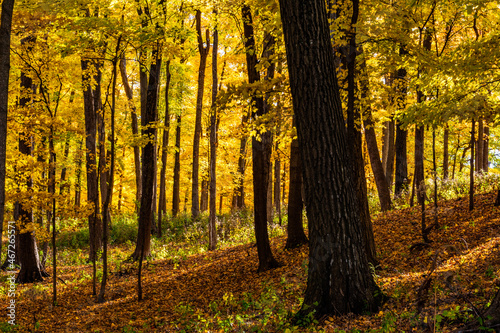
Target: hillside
[(222, 292)]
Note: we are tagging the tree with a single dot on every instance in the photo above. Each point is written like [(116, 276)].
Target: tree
[(31, 267), (339, 279), (383, 190), (261, 152), (148, 162), (212, 231), (204, 51), (135, 128), (162, 204), (5, 27)]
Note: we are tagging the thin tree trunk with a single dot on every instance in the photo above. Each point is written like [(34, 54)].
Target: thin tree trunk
[(480, 146), (277, 184), (109, 192), (203, 50), (434, 169), (446, 155), (239, 191), (135, 128), (212, 229), (176, 196), (78, 184), (419, 175), (383, 191), (401, 172), (162, 205), (471, 174), (64, 187), (389, 151), (486, 148)]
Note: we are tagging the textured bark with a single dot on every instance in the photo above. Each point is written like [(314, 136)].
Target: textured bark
[(135, 128), (339, 279), (354, 136), (204, 51), (162, 204), (176, 196), (295, 228), (384, 194), (261, 153), (5, 28), (419, 175), (94, 221), (148, 160)]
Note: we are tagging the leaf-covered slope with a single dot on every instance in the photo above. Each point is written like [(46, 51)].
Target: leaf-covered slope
[(438, 286)]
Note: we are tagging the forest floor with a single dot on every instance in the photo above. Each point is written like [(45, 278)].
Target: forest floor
[(221, 291)]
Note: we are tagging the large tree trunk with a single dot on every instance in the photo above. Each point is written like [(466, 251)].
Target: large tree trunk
[(295, 228), (261, 153), (203, 50), (5, 28), (176, 195), (94, 221), (135, 129), (148, 119), (162, 204), (31, 267), (339, 279)]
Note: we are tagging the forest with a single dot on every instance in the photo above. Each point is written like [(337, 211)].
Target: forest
[(249, 166)]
